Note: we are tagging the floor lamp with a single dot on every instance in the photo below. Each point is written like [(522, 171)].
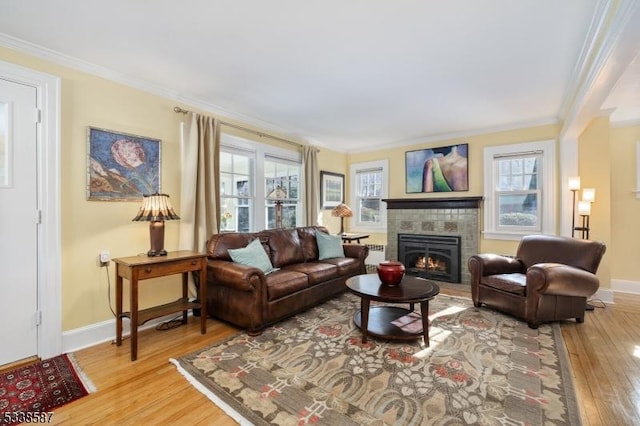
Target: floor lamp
[(574, 186)]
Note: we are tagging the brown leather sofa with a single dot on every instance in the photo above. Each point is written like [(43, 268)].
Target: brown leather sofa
[(549, 279), (246, 297)]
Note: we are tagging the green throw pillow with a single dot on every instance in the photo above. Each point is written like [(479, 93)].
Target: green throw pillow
[(329, 246), (252, 255)]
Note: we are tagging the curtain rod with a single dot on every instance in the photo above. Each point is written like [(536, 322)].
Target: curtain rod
[(246, 129)]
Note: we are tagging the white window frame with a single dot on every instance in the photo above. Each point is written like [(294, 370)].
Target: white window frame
[(547, 185), (353, 198), (252, 179), (262, 151)]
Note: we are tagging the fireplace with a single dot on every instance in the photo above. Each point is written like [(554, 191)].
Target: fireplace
[(435, 257)]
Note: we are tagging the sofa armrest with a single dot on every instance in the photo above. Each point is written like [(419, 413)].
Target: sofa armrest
[(356, 251), (561, 280), (233, 275), (481, 265)]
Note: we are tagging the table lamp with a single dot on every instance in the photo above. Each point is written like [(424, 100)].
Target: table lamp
[(341, 211), (156, 209)]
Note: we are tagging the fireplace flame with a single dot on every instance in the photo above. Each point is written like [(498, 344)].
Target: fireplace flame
[(431, 264)]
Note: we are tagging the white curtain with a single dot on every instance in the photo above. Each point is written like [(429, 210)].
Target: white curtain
[(199, 195), (312, 184)]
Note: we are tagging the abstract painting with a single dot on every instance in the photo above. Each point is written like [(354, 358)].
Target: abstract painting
[(120, 166), (443, 169)]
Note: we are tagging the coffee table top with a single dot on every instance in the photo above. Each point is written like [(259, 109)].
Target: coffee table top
[(411, 289)]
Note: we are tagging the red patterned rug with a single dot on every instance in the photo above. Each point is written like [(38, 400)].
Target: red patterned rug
[(33, 391)]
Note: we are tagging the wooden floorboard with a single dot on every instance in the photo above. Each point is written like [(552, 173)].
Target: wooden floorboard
[(603, 351)]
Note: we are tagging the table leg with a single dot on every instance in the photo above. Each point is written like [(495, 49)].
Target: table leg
[(203, 297), (364, 315), (134, 316), (424, 312), (118, 306), (185, 294)]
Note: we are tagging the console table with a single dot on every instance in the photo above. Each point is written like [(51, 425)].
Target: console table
[(137, 268)]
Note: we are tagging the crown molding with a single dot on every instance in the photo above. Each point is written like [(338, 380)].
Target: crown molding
[(456, 135), (605, 55), (192, 101)]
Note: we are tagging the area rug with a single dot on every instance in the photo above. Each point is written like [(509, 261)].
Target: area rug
[(481, 367), (28, 394)]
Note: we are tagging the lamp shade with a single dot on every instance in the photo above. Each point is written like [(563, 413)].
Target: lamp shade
[(277, 194), (589, 194), (584, 208), (574, 183), (155, 208), (341, 210)]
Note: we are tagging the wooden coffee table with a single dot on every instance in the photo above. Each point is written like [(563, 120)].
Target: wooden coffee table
[(378, 320)]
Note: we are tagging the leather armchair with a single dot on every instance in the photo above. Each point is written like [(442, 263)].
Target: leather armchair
[(549, 279)]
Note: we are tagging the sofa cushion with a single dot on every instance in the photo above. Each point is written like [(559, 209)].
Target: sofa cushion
[(346, 265), (284, 246), (252, 255), (219, 244), (317, 272), (284, 282), (329, 246), (307, 236), (511, 283)]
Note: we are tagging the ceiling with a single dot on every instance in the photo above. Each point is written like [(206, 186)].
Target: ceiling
[(354, 75)]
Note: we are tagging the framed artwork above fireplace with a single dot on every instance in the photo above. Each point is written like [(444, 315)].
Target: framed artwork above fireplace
[(443, 169)]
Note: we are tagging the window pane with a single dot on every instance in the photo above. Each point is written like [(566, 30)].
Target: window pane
[(235, 214), (518, 210), (289, 216), (370, 210)]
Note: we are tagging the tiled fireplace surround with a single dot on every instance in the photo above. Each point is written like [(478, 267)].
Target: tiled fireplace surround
[(435, 216)]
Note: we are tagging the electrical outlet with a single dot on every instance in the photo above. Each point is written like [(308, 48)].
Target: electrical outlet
[(104, 257)]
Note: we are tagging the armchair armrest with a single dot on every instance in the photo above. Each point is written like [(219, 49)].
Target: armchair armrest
[(234, 275), (561, 280), (481, 265)]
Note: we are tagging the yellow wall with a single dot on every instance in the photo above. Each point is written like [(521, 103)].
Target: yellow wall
[(594, 169), (396, 157), (91, 226), (623, 251)]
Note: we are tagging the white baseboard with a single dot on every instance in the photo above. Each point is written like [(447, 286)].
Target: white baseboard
[(604, 294), (84, 337), (625, 286)]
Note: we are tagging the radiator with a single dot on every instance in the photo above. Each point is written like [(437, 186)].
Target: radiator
[(376, 255)]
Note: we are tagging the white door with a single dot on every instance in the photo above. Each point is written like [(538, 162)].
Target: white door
[(18, 222)]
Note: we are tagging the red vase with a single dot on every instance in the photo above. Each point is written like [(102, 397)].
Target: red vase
[(390, 272)]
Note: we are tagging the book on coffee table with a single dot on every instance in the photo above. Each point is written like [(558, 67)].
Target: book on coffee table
[(410, 323)]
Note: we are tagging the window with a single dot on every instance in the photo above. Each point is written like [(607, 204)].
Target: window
[(236, 194), (249, 171), (519, 190), (279, 172), (369, 186)]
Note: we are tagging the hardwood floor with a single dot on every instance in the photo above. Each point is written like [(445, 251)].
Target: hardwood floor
[(604, 353)]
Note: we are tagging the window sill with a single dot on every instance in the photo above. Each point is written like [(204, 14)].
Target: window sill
[(493, 235)]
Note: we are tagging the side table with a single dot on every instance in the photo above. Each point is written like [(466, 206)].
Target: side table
[(353, 237), (137, 268)]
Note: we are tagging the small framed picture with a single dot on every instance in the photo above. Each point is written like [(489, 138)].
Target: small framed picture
[(120, 166), (331, 189)]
